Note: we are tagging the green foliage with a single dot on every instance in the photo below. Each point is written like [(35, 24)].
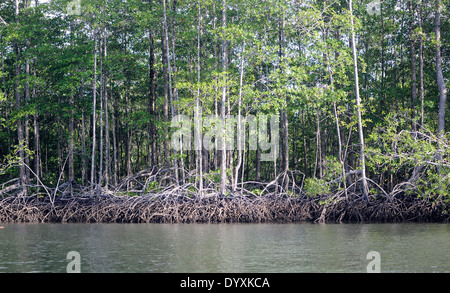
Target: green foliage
[(410, 156), (297, 60), (257, 191), (213, 176), (153, 186), (333, 168), (328, 201), (315, 186), (434, 184), (13, 159)]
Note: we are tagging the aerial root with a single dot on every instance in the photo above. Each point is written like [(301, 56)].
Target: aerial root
[(214, 209), (153, 196)]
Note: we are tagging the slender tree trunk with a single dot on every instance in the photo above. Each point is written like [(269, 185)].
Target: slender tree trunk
[(383, 63), (413, 69), (285, 127), (115, 159), (58, 140), (223, 167), (107, 137), (26, 120), (152, 99), (71, 120), (338, 130), (102, 93), (216, 87), (318, 147), (439, 76), (197, 106), (165, 61), (283, 114), (173, 94), (243, 143), (83, 149), (365, 190), (240, 144), (94, 106), (71, 176), (20, 132), (5, 92), (305, 149), (395, 69), (128, 110), (37, 143), (129, 145), (422, 93), (257, 163)]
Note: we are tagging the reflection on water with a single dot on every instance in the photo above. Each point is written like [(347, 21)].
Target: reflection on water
[(225, 247)]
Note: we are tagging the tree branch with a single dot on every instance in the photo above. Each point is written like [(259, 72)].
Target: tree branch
[(3, 21)]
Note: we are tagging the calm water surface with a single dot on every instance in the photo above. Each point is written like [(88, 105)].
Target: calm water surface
[(225, 248)]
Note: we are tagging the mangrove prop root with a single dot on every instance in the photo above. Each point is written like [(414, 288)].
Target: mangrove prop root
[(153, 196), (162, 208)]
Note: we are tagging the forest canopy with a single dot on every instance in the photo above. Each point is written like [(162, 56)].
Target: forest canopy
[(91, 93)]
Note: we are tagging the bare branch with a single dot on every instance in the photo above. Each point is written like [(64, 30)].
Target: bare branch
[(3, 21)]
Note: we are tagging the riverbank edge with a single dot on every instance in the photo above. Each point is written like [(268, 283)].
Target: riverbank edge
[(218, 209)]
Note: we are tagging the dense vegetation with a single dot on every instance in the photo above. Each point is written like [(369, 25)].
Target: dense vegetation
[(89, 97)]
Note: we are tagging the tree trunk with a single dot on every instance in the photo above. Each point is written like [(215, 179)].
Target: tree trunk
[(413, 70), (197, 107), (102, 88), (128, 110), (71, 120), (152, 99), (336, 118), (83, 149), (240, 144), (422, 93), (107, 138), (165, 61), (27, 101), (5, 92), (173, 94), (439, 76), (283, 114), (365, 189), (305, 149), (318, 161), (94, 102), (223, 167), (216, 87), (129, 145), (115, 159), (383, 62), (20, 132), (37, 143)]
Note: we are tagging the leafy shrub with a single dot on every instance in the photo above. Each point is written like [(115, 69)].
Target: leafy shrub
[(314, 186), (418, 160)]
